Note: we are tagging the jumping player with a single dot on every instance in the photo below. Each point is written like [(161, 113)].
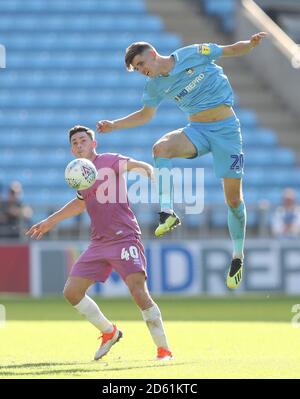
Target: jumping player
[(115, 243), (190, 77)]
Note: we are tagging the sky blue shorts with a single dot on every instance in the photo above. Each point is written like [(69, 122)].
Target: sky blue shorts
[(224, 140)]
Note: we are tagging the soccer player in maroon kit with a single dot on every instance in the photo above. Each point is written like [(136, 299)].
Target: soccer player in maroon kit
[(115, 243)]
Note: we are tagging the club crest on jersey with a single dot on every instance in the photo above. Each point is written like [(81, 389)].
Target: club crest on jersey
[(205, 50), (190, 71)]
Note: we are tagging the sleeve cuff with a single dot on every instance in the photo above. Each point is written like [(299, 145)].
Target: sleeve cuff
[(79, 196)]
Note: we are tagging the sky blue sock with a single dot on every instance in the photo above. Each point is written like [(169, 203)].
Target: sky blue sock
[(237, 228), (165, 182)]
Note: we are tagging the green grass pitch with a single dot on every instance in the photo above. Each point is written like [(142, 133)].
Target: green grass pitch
[(249, 337)]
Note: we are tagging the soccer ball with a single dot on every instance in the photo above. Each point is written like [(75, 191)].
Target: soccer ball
[(80, 174)]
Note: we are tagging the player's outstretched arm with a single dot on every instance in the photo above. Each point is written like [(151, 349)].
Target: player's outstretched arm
[(72, 208), (138, 118), (243, 47)]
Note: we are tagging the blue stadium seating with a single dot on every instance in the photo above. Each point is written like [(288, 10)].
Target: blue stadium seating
[(73, 22), (37, 6), (223, 9), (87, 41), (65, 66)]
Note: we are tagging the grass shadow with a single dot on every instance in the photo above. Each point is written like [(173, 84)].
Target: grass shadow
[(26, 365), (75, 371)]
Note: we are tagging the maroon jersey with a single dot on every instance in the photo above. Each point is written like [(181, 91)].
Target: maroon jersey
[(107, 202)]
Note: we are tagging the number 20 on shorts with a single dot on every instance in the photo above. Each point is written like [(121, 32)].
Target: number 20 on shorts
[(238, 162)]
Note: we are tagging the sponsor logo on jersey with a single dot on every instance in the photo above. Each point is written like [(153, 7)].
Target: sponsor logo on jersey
[(189, 87)]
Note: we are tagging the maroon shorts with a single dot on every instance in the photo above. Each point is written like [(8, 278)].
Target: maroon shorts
[(99, 260)]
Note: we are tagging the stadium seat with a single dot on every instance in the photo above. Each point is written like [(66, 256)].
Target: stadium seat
[(88, 41), (75, 23), (33, 6), (223, 9)]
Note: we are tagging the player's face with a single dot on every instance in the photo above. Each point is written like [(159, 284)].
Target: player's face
[(82, 146), (146, 63)]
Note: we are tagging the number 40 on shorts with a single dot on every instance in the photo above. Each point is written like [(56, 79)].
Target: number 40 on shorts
[(132, 251)]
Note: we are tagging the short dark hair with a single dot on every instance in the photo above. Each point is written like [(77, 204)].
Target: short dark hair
[(79, 129), (134, 49)]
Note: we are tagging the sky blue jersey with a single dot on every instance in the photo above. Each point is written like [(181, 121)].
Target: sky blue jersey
[(195, 82)]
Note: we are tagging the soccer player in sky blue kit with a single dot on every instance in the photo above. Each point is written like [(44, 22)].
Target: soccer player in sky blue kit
[(190, 77)]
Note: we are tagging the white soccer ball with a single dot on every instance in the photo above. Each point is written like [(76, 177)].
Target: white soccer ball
[(80, 174)]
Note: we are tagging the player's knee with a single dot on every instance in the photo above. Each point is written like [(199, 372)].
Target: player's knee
[(73, 296), (141, 297), (233, 202), (161, 150)]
